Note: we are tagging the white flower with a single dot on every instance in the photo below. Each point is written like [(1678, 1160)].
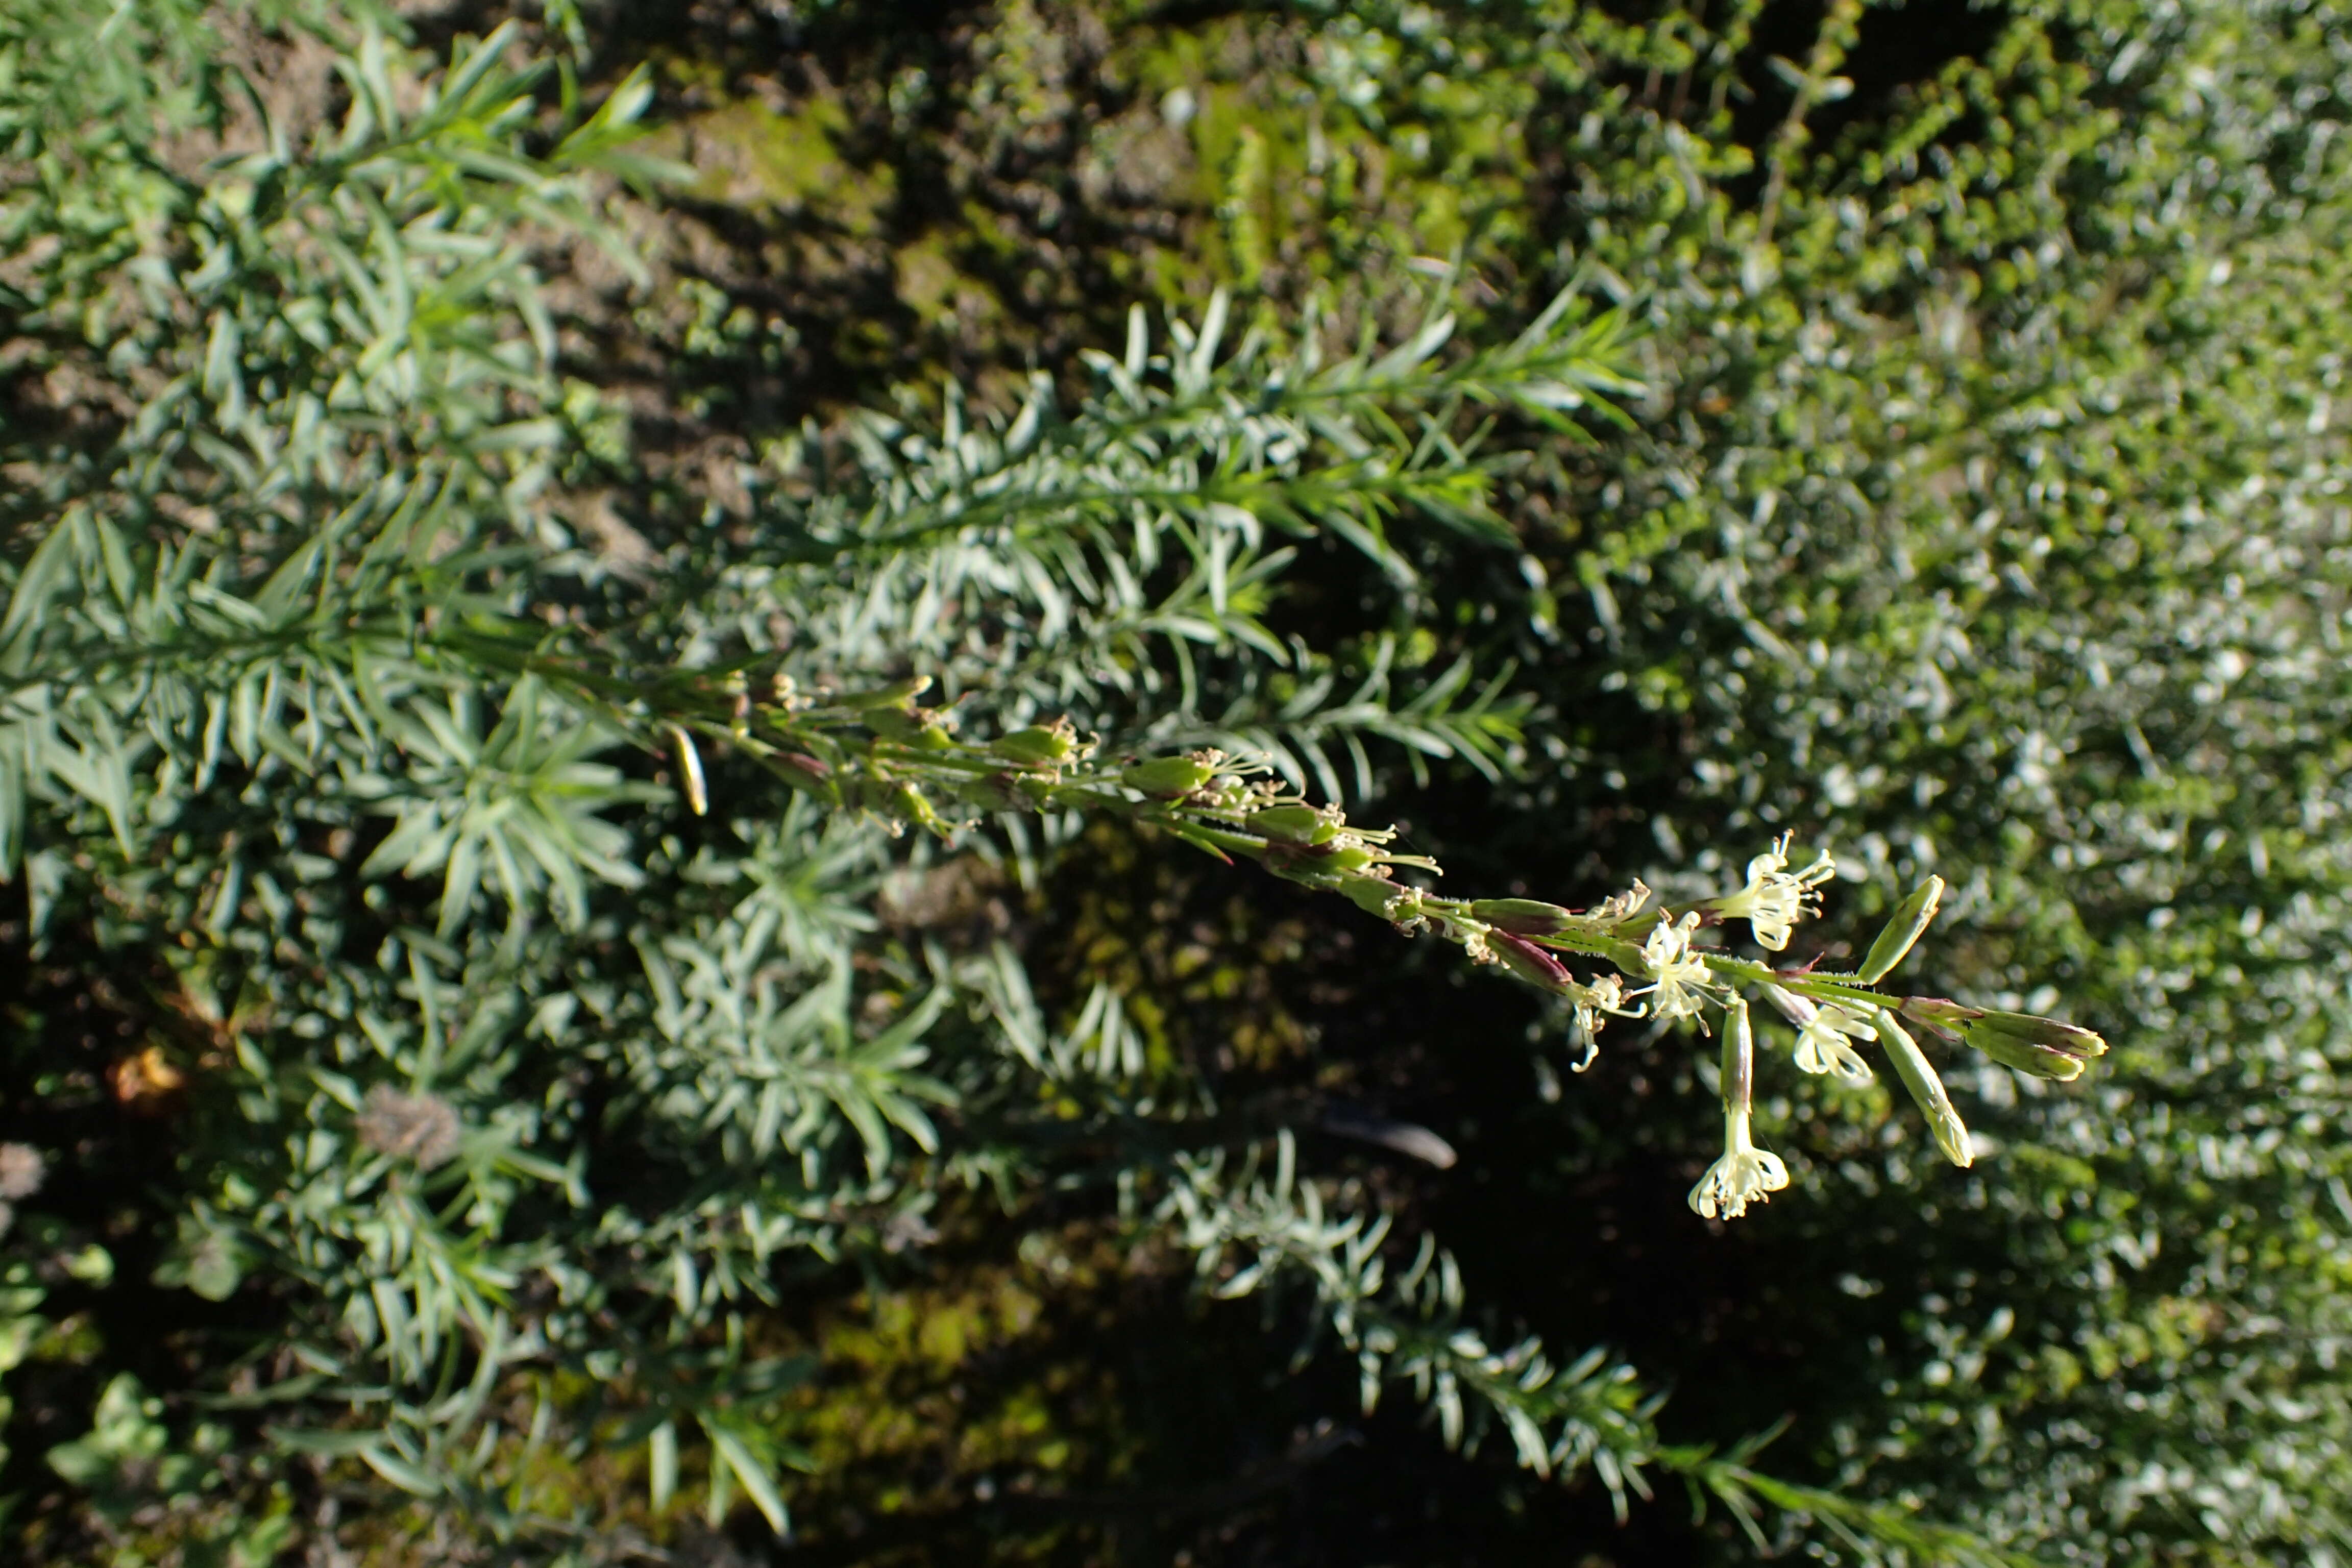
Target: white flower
[(1821, 1035), (1744, 1174), (1776, 899), (1622, 905), (1821, 1047), (1605, 994), (1679, 985)]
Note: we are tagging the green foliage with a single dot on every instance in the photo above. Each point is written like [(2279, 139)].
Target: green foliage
[(1987, 513), (466, 930), (307, 691)]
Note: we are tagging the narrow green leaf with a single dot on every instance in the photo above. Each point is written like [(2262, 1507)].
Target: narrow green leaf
[(662, 1450), (755, 1475)]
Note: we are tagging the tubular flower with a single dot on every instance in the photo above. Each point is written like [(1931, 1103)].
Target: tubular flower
[(1622, 905), (1823, 1031), (1775, 898), (1822, 1045), (1605, 994), (1679, 986), (1746, 1174)]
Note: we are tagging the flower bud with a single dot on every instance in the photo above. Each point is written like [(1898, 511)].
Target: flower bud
[(1522, 917), (1904, 928), (2042, 1046), (804, 772), (689, 764), (911, 805), (1345, 855), (1371, 894), (1168, 776), (897, 696), (2039, 1060), (924, 728), (1918, 1076), (1040, 745), (1528, 961), (1946, 1016), (1296, 823)]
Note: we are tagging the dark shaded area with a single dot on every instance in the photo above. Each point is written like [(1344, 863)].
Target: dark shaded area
[(1896, 47)]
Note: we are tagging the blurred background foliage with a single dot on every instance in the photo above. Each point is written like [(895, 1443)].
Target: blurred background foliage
[(1982, 510)]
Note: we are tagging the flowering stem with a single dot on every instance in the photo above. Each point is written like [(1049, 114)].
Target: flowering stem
[(880, 754), (1829, 987)]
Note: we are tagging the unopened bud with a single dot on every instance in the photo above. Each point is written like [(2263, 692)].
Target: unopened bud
[(924, 728), (1296, 823), (1040, 745), (689, 764), (1522, 917), (2042, 1046), (1941, 1013), (911, 805), (1903, 928), (1168, 776), (2039, 1060), (1370, 894), (1393, 901), (898, 696), (1345, 855), (1918, 1076), (1528, 961), (804, 772)]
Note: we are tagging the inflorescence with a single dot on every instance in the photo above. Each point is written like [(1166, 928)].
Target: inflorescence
[(1626, 957)]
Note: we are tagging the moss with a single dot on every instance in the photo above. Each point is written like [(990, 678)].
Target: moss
[(778, 164), (929, 281), (932, 1388)]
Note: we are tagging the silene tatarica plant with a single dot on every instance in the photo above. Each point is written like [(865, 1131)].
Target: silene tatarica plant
[(485, 881), (883, 753)]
